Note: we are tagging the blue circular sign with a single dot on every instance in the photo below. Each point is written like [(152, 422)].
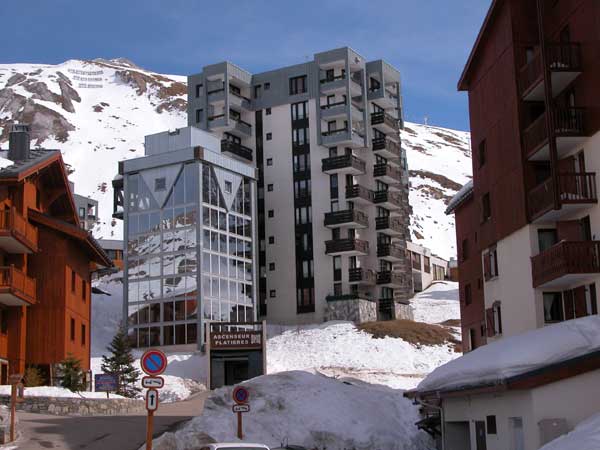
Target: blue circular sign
[(154, 362), (241, 395)]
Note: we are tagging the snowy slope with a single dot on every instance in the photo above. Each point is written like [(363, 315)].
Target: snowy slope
[(585, 436), (98, 112)]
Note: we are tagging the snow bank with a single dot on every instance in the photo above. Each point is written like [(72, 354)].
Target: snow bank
[(585, 436), (515, 355), (52, 391), (438, 303), (309, 410)]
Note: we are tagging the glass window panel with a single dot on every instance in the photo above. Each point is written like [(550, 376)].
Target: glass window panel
[(248, 272), (154, 336), (154, 221), (168, 335), (231, 245), (132, 337), (240, 293), (247, 249), (192, 333), (205, 286), (143, 314), (206, 262), (132, 294), (154, 264), (206, 239), (154, 313), (168, 312), (214, 259), (191, 183), (154, 289), (231, 221), (214, 241), (205, 183), (214, 219), (190, 215), (143, 337), (180, 310), (224, 294), (179, 189), (223, 243), (214, 287), (179, 214), (167, 219), (179, 334), (191, 309), (206, 216), (132, 224), (233, 291), (223, 265), (222, 221), (132, 315), (132, 247), (247, 228)]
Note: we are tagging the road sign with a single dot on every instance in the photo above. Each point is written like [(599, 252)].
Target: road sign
[(240, 408), (241, 395), (153, 382), (153, 362), (106, 382), (152, 400)]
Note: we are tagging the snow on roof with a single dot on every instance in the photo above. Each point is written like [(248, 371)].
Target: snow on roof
[(585, 436), (516, 355), (460, 197)]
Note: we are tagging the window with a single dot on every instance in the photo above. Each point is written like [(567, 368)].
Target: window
[(298, 85), (472, 339), (299, 110), (481, 153), (271, 213), (4, 322), (73, 280), (72, 329), (269, 136), (267, 86), (272, 293), (468, 294), (258, 91), (198, 90), (228, 187), (271, 266), (486, 207), (426, 264), (269, 161), (83, 334), (160, 184), (337, 268), (270, 187), (198, 115), (271, 239), (497, 318), (553, 307), (268, 111), (491, 424), (83, 290)]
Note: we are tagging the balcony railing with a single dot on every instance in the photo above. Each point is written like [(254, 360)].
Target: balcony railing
[(335, 78), (362, 275), (388, 146), (347, 245), (568, 122), (15, 283), (356, 192), (14, 225), (574, 188), (236, 149), (348, 297), (389, 277), (238, 95), (388, 223), (387, 197), (334, 105), (561, 57), (347, 161), (390, 251), (381, 117), (384, 170), (346, 217), (565, 258)]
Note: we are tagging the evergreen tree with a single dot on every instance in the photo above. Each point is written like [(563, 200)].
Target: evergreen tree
[(120, 363), (72, 375)]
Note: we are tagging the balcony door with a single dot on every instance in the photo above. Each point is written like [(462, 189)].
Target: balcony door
[(547, 238)]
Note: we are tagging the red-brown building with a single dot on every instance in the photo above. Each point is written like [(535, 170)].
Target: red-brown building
[(527, 231), (45, 260)]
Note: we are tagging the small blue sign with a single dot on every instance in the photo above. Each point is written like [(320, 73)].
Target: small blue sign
[(106, 382)]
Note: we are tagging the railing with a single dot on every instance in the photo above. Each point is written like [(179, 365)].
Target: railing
[(335, 78), (215, 117), (237, 149), (333, 105), (238, 95), (346, 216), (386, 144), (346, 297), (382, 223), (14, 279), (564, 258), (560, 57), (343, 162), (389, 277), (383, 170), (567, 122), (573, 188), (360, 274), (383, 117), (334, 132), (358, 191), (387, 197), (385, 250), (12, 221), (346, 245)]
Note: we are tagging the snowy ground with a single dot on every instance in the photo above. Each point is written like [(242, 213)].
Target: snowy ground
[(51, 391), (438, 303)]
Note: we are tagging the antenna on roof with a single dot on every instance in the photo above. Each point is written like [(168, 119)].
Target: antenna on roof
[(426, 120)]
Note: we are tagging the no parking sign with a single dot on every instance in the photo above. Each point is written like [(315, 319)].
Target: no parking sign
[(154, 362)]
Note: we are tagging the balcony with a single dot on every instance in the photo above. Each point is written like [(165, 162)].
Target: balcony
[(362, 276), (348, 246), (359, 194), (234, 125), (216, 95), (390, 252), (565, 264), (237, 99), (339, 110), (387, 174), (576, 192), (348, 297), (384, 97), (347, 218), (387, 199), (342, 137), (564, 60), (388, 278), (389, 226), (235, 149), (569, 128), (331, 85), (385, 123), (16, 288), (345, 164), (17, 235), (386, 148)]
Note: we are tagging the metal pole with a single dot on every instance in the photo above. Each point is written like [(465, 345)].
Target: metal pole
[(240, 434), (13, 411), (149, 430)]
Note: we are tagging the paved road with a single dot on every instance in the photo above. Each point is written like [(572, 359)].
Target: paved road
[(125, 432)]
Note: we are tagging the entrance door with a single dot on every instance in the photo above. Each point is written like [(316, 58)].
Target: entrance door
[(235, 372), (480, 435), (517, 438)]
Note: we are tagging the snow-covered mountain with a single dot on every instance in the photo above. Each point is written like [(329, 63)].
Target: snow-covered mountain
[(98, 112)]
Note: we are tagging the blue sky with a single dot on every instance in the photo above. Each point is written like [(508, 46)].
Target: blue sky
[(428, 40)]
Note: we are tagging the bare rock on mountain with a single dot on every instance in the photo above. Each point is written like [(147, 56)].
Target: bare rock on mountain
[(162, 87), (440, 179), (15, 79)]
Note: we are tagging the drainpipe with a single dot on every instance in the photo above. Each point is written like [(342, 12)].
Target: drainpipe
[(548, 101), (441, 410)]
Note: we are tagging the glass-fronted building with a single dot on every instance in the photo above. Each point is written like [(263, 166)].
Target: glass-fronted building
[(190, 233)]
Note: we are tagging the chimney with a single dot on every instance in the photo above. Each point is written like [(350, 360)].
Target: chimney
[(18, 142)]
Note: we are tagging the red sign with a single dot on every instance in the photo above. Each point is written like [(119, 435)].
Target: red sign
[(241, 395), (154, 362)]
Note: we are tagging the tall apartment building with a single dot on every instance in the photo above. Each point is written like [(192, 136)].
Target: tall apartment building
[(190, 233), (528, 226), (333, 207)]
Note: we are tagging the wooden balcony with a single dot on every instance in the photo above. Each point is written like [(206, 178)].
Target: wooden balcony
[(565, 264), (386, 148), (390, 252), (390, 226), (346, 218), (17, 235), (387, 199), (386, 123), (359, 194), (348, 246), (360, 275), (344, 164), (16, 288), (564, 61), (569, 128), (576, 191), (235, 149), (388, 278), (387, 174)]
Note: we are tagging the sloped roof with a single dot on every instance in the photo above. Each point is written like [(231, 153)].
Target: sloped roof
[(19, 169), (460, 197)]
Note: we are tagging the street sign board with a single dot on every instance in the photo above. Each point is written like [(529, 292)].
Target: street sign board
[(236, 340), (240, 408), (152, 400), (241, 395), (106, 382), (153, 362), (153, 382)]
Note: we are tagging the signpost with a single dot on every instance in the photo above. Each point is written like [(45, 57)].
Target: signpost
[(154, 363), (17, 395), (106, 382), (240, 397)]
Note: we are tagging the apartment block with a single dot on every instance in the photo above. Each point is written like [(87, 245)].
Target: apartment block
[(426, 267), (333, 208), (87, 209), (528, 226)]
